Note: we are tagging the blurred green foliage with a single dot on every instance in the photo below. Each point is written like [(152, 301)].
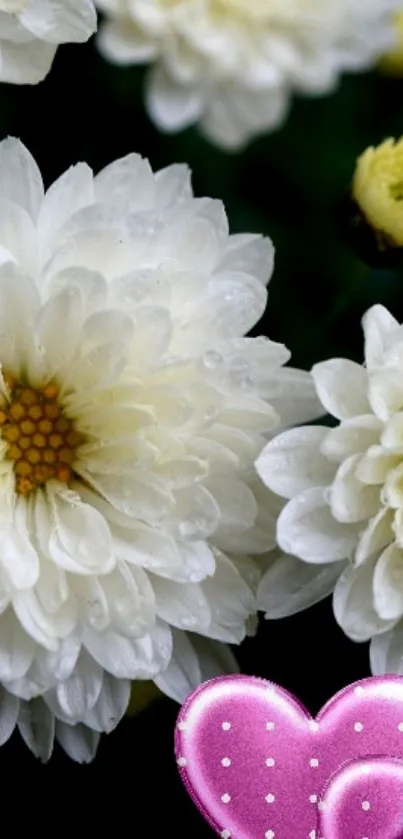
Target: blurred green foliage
[(289, 185)]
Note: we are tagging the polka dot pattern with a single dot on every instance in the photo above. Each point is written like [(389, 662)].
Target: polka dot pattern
[(259, 767), (364, 800)]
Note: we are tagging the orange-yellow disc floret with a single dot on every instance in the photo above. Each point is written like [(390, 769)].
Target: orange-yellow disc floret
[(41, 440)]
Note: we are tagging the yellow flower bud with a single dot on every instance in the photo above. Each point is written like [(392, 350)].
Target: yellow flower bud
[(378, 191)]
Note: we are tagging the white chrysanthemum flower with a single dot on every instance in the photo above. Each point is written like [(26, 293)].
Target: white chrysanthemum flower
[(132, 410), (31, 31), (232, 65), (344, 515), (91, 701)]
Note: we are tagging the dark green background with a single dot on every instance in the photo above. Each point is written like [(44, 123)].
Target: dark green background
[(289, 186)]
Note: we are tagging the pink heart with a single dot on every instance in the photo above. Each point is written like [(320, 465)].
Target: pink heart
[(364, 799), (257, 765)]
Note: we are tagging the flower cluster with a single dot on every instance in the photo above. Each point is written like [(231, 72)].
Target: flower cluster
[(157, 485), (232, 65), (342, 523), (131, 412)]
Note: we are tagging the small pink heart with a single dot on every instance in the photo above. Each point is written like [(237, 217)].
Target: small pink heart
[(257, 765), (364, 799)]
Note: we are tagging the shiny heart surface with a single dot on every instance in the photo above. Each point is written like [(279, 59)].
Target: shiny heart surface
[(258, 766), (364, 799)]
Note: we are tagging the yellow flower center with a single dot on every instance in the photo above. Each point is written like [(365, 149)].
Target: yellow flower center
[(378, 189), (41, 440)]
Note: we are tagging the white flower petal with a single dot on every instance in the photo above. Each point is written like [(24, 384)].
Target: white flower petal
[(353, 436), (93, 606), (36, 725), (249, 253), (375, 536), (388, 584), (196, 515), (392, 493), (60, 22), (194, 660), (235, 301), (45, 628), (253, 415), (111, 705), (171, 107), (127, 658), (385, 392), (172, 185), (66, 196), (52, 587), (141, 495), (181, 605), (183, 673), (392, 434), (307, 529), (57, 322), (386, 652), (379, 327), (351, 500), (375, 465), (353, 603), (19, 559), (70, 700), (130, 596), (292, 462), (17, 649), (290, 585), (342, 387), (91, 286), (123, 44), (197, 563), (18, 235), (236, 503), (293, 396), (21, 180), (128, 183), (152, 332), (231, 602), (195, 235), (26, 63), (78, 741), (182, 472), (9, 710), (47, 668), (147, 547), (19, 301), (79, 538)]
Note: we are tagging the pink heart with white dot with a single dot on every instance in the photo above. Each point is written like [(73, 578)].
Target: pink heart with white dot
[(259, 767)]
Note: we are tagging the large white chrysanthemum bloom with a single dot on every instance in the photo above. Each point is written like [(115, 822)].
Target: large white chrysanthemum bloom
[(232, 65), (343, 517), (31, 31), (132, 410)]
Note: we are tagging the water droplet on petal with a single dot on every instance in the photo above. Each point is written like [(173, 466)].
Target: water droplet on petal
[(212, 359), (188, 528), (188, 622)]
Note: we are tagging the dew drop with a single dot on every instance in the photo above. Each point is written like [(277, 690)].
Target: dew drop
[(212, 359), (188, 528), (188, 621)]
